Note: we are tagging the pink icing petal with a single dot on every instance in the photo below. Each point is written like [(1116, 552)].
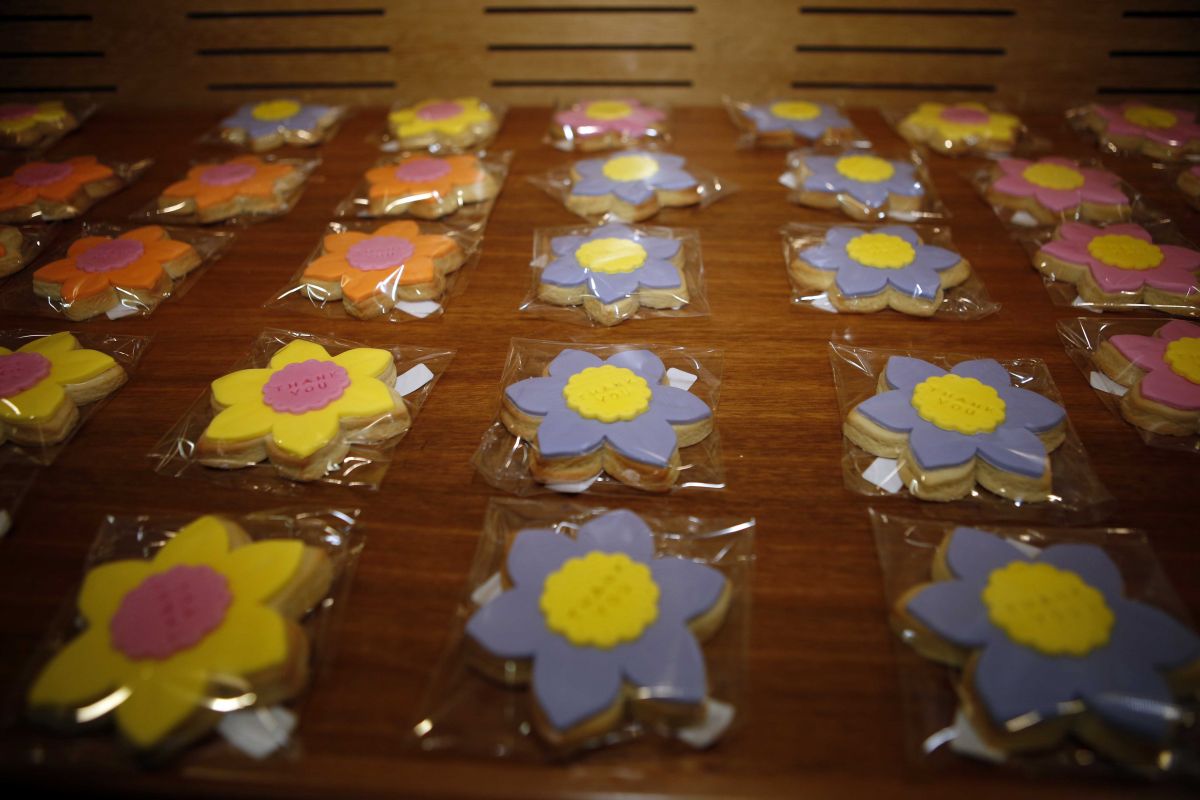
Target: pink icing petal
[(1176, 135), (1014, 166), (572, 117), (1113, 279), (1144, 351), (1071, 252), (1119, 126), (1177, 329), (1165, 386), (1173, 279), (1095, 191), (1179, 258), (1127, 229), (1110, 113), (1092, 174), (1078, 232), (1014, 185), (1057, 199)]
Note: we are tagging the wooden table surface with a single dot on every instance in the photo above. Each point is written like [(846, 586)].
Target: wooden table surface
[(822, 714)]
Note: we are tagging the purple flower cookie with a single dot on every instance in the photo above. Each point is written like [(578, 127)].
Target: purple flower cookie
[(632, 177), (295, 122), (813, 121), (871, 184)]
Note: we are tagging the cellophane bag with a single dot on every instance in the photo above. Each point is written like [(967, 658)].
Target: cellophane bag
[(262, 125), (1187, 181), (963, 129), (20, 245), (782, 122), (1140, 128), (47, 191), (488, 695), (441, 125), (235, 191), (865, 185), (35, 127), (591, 125)]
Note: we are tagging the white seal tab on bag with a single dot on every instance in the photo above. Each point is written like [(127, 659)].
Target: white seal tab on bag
[(717, 718), (680, 379), (413, 379), (1106, 384), (258, 732), (884, 473)]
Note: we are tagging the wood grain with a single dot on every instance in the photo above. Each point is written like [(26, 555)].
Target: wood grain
[(822, 715)]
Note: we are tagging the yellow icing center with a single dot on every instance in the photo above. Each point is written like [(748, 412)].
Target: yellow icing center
[(600, 600), (1125, 252), (608, 109), (611, 255), (607, 393), (1183, 357), (881, 251), (276, 109), (1150, 117), (796, 109), (955, 403), (868, 169), (630, 168), (1053, 176), (1049, 609)]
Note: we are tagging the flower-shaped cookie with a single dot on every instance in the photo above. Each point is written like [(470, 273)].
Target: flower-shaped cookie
[(1158, 132), (26, 124), (949, 430), (598, 124), (868, 270), (600, 621), (271, 123), (616, 415), (863, 185), (55, 189), (961, 128), (631, 185), (1120, 265), (370, 272), (242, 185), (1053, 188), (787, 120), (210, 615), (100, 272), (1163, 374), (1049, 643), (43, 383), (428, 186), (459, 123), (303, 410), (612, 271)]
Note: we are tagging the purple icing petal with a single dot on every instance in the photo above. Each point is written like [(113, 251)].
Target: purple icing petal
[(592, 186), (665, 161), (764, 120), (1030, 409), (564, 433), (916, 281), (696, 588), (535, 553), (872, 195), (954, 611), (905, 372), (647, 439), (510, 626), (666, 663), (1013, 450), (1154, 634), (659, 275), (934, 448), (854, 280), (678, 406), (973, 555), (611, 287), (590, 168), (612, 230), (672, 178), (633, 192), (1088, 562), (840, 237), (564, 271), (829, 257), (657, 247), (938, 258), (902, 231), (619, 531), (536, 396), (984, 370), (892, 410), (1128, 693), (643, 362), (568, 362), (567, 245), (573, 684), (1013, 681)]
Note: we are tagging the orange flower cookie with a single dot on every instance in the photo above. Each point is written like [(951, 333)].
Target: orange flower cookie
[(27, 125), (11, 256), (99, 271), (371, 272), (303, 411), (243, 185), (55, 189), (428, 186), (43, 383), (213, 613)]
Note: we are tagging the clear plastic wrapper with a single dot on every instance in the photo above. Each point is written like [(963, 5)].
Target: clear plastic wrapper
[(45, 191), (1119, 267), (1188, 183), (191, 636), (442, 125), (860, 269), (961, 129), (15, 481), (455, 189), (19, 246), (115, 270), (300, 408), (237, 190), (37, 126), (517, 682), (1046, 650), (52, 383), (790, 122), (605, 275), (1032, 193), (865, 185), (395, 271), (264, 125), (579, 417), (631, 185), (1146, 371), (591, 125), (1139, 127), (968, 435)]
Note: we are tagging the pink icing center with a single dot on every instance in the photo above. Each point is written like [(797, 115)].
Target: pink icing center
[(41, 174), (227, 174), (965, 116), (110, 255), (21, 371), (422, 170), (305, 386), (170, 612), (436, 111), (380, 252), (16, 111)]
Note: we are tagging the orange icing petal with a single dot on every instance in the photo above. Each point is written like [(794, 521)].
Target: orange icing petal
[(433, 245), (418, 269), (464, 169), (144, 273), (257, 187), (82, 245), (56, 271), (275, 171), (404, 228), (147, 234), (63, 190), (184, 188), (328, 267), (167, 250), (207, 196), (83, 284), (341, 242), (381, 174), (13, 195), (359, 285), (91, 172)]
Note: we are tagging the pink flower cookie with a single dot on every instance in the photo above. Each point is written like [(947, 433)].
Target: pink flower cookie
[(1053, 189), (603, 124), (1163, 375), (1164, 133), (1121, 266)]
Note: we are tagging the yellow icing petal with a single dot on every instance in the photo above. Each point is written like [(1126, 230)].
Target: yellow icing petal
[(296, 351), (160, 700), (257, 572), (243, 386), (77, 366), (251, 639), (84, 671), (364, 362), (304, 434), (364, 398), (241, 422), (106, 586), (38, 402), (4, 351), (60, 342), (204, 541)]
